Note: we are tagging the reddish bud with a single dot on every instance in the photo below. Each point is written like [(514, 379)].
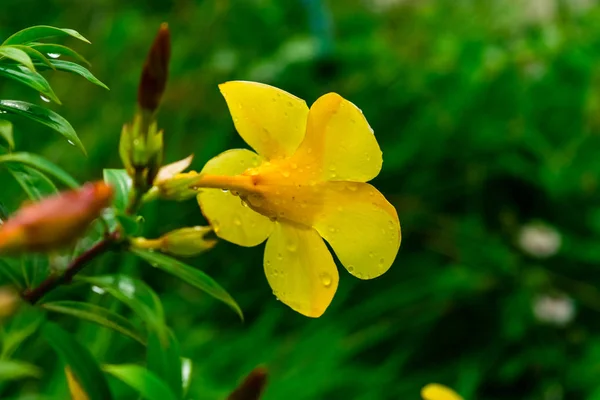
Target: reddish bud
[(56, 221), (252, 387), (155, 71)]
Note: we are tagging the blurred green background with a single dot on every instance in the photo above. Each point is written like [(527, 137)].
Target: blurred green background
[(488, 115)]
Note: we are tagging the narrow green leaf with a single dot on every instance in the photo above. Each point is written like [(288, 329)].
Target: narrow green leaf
[(6, 132), (164, 359), (80, 360), (148, 385), (43, 116), (96, 314), (19, 328), (41, 164), (121, 183), (57, 50), (42, 32), (30, 78), (34, 183), (11, 370), (33, 54), (11, 271), (17, 55), (189, 274), (69, 66), (136, 295)]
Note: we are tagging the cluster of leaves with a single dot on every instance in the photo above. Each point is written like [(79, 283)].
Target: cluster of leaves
[(165, 374)]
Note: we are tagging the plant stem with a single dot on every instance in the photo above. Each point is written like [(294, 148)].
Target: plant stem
[(32, 296)]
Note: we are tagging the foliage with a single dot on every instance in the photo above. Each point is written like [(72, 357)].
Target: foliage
[(487, 115)]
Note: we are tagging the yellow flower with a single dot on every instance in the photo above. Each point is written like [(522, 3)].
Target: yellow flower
[(306, 184), (435, 391)]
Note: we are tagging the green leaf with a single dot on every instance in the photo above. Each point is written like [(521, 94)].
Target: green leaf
[(13, 370), (80, 360), (121, 183), (56, 50), (43, 116), (96, 314), (148, 385), (30, 78), (189, 274), (34, 183), (131, 225), (20, 327), (41, 32), (6, 132), (40, 164), (33, 54), (136, 295), (164, 359), (12, 272), (17, 55), (72, 67)]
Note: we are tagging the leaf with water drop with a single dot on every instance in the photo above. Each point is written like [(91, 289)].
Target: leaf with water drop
[(6, 132), (30, 78), (38, 32), (136, 295), (57, 50), (96, 314), (43, 116), (189, 274), (17, 55), (40, 164), (75, 68), (33, 54)]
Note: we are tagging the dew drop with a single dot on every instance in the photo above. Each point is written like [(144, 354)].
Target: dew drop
[(325, 279), (244, 204), (53, 55), (332, 175), (216, 226), (286, 174), (350, 268), (359, 275), (71, 142), (371, 255), (237, 221), (225, 190), (381, 262), (47, 100), (279, 256), (292, 247), (331, 229), (235, 193)]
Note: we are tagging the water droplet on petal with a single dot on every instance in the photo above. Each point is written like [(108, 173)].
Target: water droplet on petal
[(47, 100), (279, 256), (359, 275), (371, 255), (292, 247), (350, 268), (286, 174), (381, 262), (244, 204), (225, 190), (216, 226), (325, 279), (331, 229), (237, 221)]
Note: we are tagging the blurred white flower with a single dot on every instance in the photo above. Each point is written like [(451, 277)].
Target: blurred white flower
[(556, 310), (539, 240)]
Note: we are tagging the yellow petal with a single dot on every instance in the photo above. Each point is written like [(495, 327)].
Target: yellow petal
[(435, 391), (170, 170), (230, 219), (340, 141), (300, 269), (361, 226), (270, 120)]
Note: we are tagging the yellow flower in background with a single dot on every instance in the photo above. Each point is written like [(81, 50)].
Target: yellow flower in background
[(306, 184), (435, 391)]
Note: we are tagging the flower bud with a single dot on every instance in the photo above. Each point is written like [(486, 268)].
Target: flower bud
[(178, 187), (185, 242), (56, 221), (77, 392), (155, 71)]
